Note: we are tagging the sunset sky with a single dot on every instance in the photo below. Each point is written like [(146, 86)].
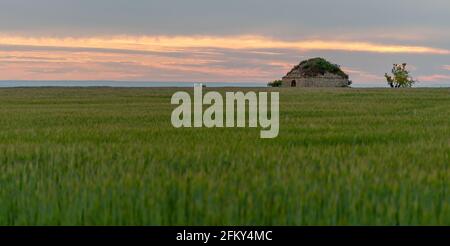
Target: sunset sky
[(221, 41)]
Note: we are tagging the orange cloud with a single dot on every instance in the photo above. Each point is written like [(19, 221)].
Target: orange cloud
[(165, 58), (181, 43)]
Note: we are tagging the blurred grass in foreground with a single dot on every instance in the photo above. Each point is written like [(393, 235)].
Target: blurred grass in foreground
[(111, 157)]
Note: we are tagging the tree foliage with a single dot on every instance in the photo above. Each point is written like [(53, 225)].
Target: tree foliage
[(275, 83), (400, 77)]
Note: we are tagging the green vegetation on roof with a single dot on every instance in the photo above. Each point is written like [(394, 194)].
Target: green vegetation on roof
[(319, 66)]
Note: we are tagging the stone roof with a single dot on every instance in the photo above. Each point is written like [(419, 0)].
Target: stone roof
[(316, 67)]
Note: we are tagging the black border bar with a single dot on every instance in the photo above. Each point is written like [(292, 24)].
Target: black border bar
[(273, 235)]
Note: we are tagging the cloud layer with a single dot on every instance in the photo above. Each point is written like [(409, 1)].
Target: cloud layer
[(205, 40)]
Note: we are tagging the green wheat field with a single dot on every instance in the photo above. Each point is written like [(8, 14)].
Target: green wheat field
[(103, 156)]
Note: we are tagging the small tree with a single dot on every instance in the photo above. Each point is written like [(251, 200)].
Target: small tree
[(275, 83), (400, 77)]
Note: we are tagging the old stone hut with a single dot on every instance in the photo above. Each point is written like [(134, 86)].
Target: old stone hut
[(316, 72)]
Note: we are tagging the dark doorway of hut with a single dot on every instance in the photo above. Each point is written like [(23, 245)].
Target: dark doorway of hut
[(293, 83)]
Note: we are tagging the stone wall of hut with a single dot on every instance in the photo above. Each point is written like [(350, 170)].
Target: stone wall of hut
[(319, 81)]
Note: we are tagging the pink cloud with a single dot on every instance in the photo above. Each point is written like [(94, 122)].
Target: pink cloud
[(360, 75), (434, 78), (184, 58)]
